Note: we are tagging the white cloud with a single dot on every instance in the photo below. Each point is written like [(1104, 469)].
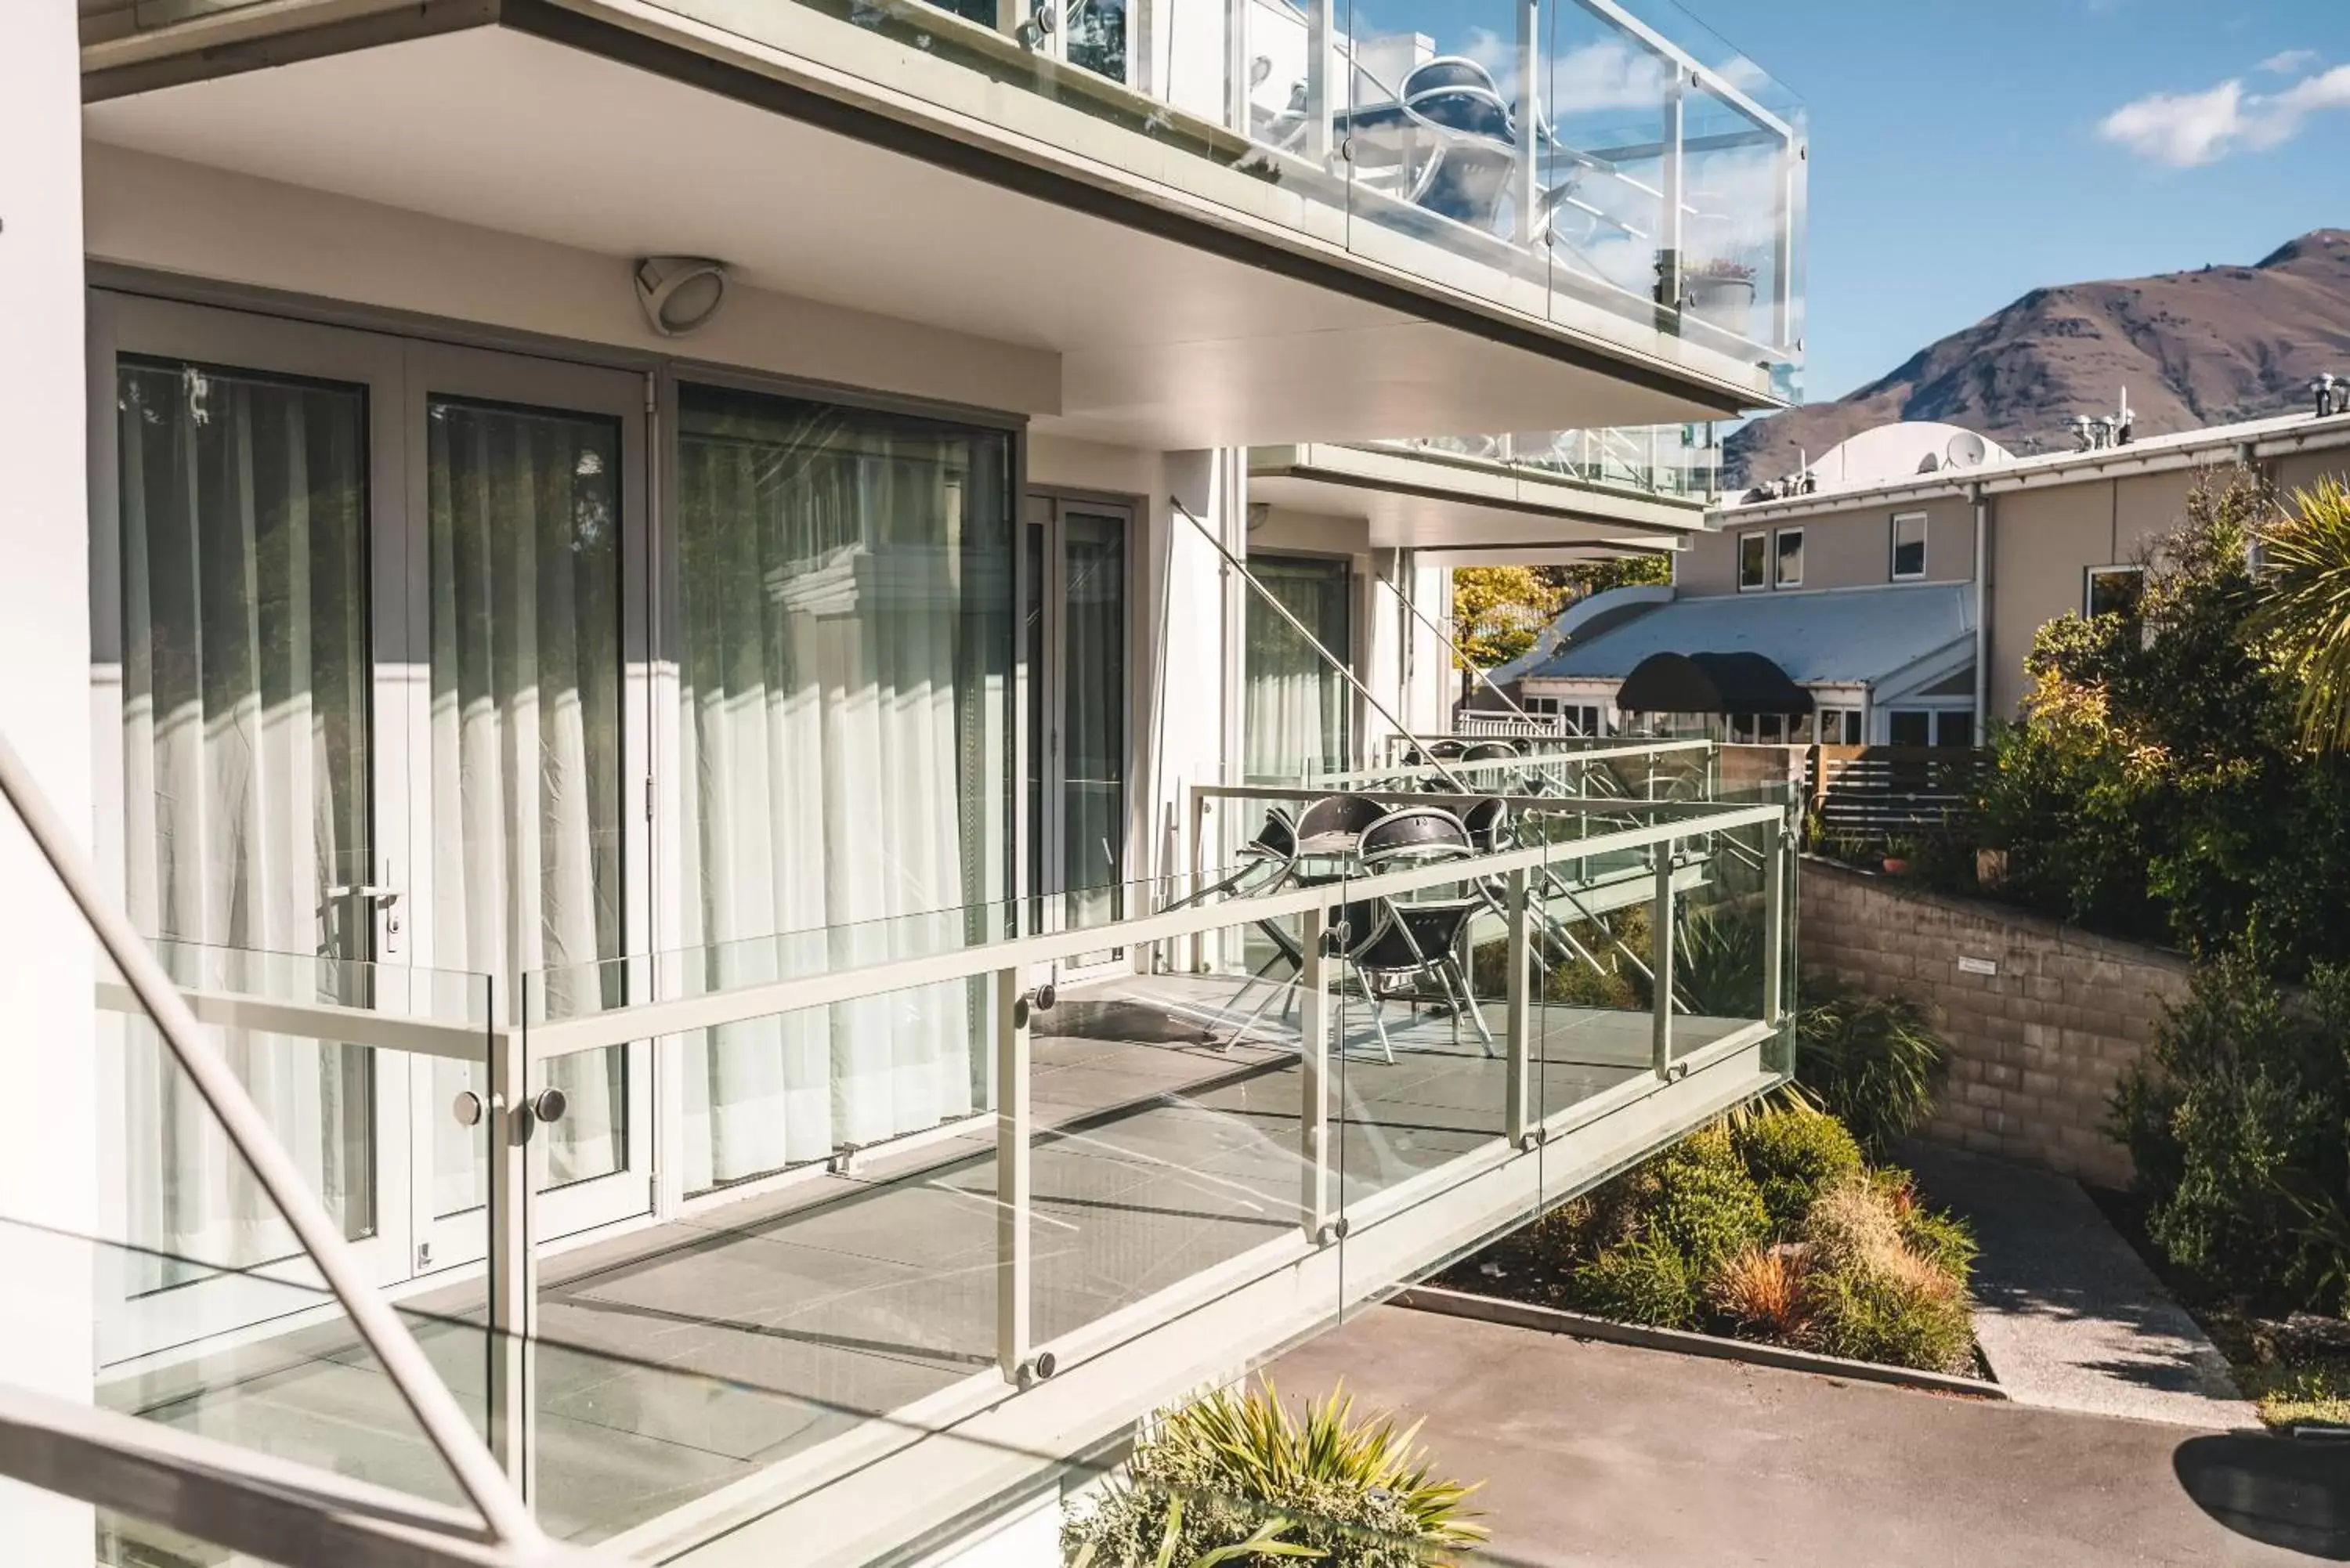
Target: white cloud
[(2189, 130), (2288, 62)]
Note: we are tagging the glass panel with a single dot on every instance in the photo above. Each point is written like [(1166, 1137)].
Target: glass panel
[(245, 802), (191, 1332), (1092, 688), (1434, 116), (524, 516), (1034, 566), (844, 637), (1607, 165), (1299, 709)]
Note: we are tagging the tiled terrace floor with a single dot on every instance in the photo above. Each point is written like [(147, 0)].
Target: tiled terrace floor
[(678, 1358)]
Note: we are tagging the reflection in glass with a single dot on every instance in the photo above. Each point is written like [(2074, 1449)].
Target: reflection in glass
[(245, 779), (844, 637), (524, 512)]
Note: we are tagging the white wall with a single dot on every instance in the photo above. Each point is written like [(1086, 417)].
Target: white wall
[(204, 222), (48, 1119)]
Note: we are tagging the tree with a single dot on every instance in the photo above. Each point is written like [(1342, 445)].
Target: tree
[(1497, 610), (2155, 784), (2305, 578), (1645, 569)]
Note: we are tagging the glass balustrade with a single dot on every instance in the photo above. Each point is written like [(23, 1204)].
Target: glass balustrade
[(1611, 167)]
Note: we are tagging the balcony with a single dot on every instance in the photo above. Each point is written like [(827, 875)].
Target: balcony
[(1608, 189), (1195, 1128)]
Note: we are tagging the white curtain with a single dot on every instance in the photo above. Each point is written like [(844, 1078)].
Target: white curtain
[(844, 630), (1296, 717), (525, 750), (245, 760)]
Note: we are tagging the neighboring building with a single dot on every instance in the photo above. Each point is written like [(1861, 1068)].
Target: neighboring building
[(461, 612), (1899, 582)]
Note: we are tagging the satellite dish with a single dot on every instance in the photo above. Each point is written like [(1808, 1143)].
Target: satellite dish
[(1966, 450)]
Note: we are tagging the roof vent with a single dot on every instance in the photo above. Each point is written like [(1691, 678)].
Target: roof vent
[(2106, 431)]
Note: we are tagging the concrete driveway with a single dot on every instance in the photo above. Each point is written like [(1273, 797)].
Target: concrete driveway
[(1599, 1454)]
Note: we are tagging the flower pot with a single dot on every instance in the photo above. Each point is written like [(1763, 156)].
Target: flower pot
[(1720, 300), (1990, 866), (1895, 866)]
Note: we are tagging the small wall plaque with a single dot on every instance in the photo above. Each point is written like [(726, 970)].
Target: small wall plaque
[(1969, 964)]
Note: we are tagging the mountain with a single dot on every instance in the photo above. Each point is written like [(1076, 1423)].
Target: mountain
[(2193, 347)]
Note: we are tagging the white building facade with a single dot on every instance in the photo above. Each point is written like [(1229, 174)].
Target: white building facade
[(524, 507)]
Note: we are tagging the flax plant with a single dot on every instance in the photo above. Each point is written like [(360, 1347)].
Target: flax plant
[(2306, 608)]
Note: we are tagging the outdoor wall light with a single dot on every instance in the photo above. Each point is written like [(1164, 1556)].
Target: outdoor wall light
[(680, 294)]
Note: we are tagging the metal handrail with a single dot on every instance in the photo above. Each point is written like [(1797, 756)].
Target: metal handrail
[(505, 1518)]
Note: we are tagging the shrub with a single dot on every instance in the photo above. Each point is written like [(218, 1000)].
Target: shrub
[(1644, 1281), (1853, 1226), (1236, 1470), (1874, 1062), (1761, 1289), (2235, 1121), (1905, 1314), (1792, 1154)]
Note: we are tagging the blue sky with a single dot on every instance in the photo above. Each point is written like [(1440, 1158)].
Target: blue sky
[(1964, 152)]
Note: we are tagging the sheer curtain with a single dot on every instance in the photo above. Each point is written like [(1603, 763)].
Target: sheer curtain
[(523, 522), (1297, 714), (244, 580), (844, 633)]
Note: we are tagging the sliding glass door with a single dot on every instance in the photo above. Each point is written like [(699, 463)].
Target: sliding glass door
[(1298, 715), (525, 477), (1075, 609), (370, 693), (842, 631)]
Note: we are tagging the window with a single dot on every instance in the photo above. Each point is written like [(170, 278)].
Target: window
[(1581, 718), (1299, 712), (1909, 727), (1771, 729), (1790, 555), (1909, 545), (1954, 727), (1753, 561), (2113, 590), (1839, 726)]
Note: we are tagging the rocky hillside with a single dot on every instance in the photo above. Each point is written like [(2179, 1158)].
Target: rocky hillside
[(2193, 347)]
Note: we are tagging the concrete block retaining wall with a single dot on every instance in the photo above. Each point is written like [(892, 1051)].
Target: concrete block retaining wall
[(2037, 1044)]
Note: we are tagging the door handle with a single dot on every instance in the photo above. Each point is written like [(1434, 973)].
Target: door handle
[(384, 901)]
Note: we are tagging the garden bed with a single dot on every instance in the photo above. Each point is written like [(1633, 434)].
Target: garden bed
[(2295, 1367), (1769, 1227)]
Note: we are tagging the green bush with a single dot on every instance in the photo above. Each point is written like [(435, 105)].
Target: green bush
[(1942, 1238), (1897, 1317), (1239, 1477), (1791, 1154), (2236, 1121), (1644, 1281), (1874, 1062), (2157, 784)]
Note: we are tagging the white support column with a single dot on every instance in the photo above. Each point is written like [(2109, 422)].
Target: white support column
[(48, 1119), (514, 1255), (1236, 65), (1314, 1078), (1660, 963), (1520, 1113), (1015, 1260)]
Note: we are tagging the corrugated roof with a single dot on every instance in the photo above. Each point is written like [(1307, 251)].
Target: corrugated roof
[(1828, 635)]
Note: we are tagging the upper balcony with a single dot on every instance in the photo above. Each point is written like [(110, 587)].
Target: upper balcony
[(1598, 208)]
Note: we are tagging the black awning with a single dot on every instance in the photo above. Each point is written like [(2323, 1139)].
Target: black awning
[(1710, 683)]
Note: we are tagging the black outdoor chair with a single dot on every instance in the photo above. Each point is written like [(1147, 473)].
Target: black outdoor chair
[(1387, 938)]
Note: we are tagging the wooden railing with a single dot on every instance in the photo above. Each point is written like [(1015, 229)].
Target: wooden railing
[(1878, 792)]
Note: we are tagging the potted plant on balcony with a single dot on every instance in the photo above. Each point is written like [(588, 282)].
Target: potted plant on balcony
[(1719, 292)]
